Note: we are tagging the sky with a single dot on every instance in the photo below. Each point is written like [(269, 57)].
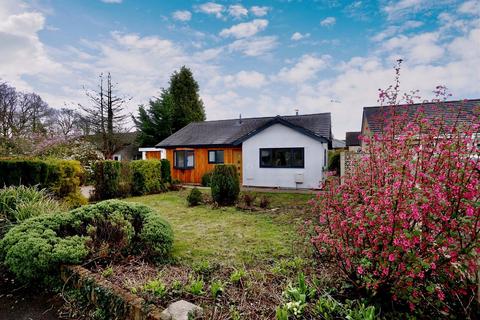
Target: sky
[(250, 57)]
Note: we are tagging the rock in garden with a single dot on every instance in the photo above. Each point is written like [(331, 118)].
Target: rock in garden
[(180, 310)]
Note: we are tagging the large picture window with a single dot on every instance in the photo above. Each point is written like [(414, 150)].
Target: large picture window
[(184, 159), (282, 158), (215, 156)]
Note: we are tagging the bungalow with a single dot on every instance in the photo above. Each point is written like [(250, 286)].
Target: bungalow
[(281, 151), (459, 111)]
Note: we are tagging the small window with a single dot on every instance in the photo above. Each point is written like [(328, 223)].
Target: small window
[(215, 156), (282, 158), (184, 159), (117, 157)]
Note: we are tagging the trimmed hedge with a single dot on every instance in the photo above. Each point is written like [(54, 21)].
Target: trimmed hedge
[(225, 184), (61, 177), (35, 249), (147, 177), (114, 179)]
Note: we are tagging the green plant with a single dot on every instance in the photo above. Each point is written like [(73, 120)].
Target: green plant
[(107, 272), (225, 184), (18, 203), (156, 287), (281, 313), (237, 275), (288, 266), (107, 179), (195, 286), (264, 202), (203, 268), (195, 197), (165, 170), (216, 288), (147, 177), (34, 249), (60, 177), (206, 179)]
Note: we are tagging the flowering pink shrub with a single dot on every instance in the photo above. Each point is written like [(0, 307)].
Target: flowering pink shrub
[(405, 223)]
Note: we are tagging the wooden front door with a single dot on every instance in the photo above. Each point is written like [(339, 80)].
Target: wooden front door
[(237, 161)]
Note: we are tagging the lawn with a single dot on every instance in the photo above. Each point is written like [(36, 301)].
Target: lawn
[(229, 236)]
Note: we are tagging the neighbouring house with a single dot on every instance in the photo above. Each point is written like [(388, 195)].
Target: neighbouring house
[(152, 153), (458, 111), (352, 140), (338, 144), (281, 151), (127, 147), (376, 118)]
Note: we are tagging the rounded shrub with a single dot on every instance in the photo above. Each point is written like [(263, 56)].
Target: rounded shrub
[(195, 197), (34, 249), (225, 184)]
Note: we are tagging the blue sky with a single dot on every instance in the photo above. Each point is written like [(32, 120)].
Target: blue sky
[(256, 58)]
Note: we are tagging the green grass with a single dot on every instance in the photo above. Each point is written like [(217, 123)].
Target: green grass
[(229, 236)]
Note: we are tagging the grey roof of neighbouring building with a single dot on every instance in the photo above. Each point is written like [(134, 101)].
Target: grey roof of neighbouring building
[(460, 111), (352, 138), (235, 131)]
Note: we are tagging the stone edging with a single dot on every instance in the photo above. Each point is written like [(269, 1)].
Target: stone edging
[(118, 302)]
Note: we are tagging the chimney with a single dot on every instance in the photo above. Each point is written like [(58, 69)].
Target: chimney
[(240, 118), (296, 112)]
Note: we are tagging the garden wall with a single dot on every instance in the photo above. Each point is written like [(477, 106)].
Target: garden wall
[(115, 301)]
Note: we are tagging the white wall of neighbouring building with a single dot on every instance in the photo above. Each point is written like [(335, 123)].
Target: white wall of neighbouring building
[(280, 136)]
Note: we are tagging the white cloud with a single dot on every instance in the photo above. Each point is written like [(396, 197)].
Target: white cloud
[(22, 51), (212, 8), (421, 48), (328, 22), (245, 29), (246, 79), (112, 1), (255, 46), (298, 36), (470, 7), (394, 29), (397, 9), (237, 11), (305, 69), (259, 11), (182, 15)]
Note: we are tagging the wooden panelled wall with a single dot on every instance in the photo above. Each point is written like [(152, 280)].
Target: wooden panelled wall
[(231, 156)]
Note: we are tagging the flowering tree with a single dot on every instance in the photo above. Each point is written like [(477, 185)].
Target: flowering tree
[(405, 223)]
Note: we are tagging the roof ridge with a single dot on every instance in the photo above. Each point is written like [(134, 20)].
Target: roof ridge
[(423, 103), (265, 117)]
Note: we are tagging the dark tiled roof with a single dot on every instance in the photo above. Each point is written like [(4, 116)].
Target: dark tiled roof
[(352, 138), (450, 111), (337, 144), (232, 131)]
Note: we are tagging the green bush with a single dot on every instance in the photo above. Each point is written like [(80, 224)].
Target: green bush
[(61, 177), (34, 249), (225, 184), (20, 203), (114, 179), (165, 169), (206, 179), (147, 177), (195, 197), (334, 161)]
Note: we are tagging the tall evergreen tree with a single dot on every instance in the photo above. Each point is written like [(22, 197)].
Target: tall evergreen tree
[(176, 107), (155, 122), (188, 107)]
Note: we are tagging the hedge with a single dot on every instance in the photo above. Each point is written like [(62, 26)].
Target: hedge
[(146, 177), (61, 177), (35, 249), (114, 179)]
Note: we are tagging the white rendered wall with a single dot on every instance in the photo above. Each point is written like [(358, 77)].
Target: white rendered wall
[(280, 136)]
